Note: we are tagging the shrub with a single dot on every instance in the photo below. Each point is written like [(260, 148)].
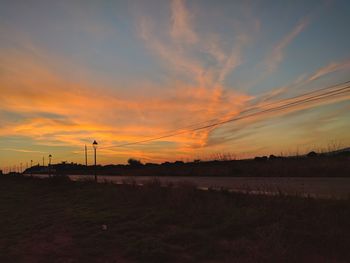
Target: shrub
[(134, 163)]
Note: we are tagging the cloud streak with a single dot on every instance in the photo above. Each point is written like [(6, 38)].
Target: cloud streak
[(330, 68), (21, 150), (278, 52), (181, 23)]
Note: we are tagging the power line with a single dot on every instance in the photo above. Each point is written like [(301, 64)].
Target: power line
[(305, 98), (281, 107)]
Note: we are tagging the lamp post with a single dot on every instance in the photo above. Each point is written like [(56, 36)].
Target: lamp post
[(94, 145), (50, 156)]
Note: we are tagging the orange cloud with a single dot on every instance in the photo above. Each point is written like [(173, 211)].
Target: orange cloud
[(207, 82), (66, 113)]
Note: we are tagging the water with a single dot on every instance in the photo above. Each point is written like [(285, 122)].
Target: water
[(320, 187)]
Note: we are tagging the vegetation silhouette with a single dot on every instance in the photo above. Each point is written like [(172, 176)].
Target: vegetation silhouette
[(135, 163), (313, 164)]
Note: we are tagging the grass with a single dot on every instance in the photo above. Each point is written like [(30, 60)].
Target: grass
[(56, 220)]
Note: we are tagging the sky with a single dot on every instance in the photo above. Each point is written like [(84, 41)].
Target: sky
[(122, 72)]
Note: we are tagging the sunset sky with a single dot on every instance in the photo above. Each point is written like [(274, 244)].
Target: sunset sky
[(121, 72)]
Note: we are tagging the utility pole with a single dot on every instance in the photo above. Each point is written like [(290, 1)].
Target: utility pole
[(50, 156), (85, 156), (43, 161), (94, 145)]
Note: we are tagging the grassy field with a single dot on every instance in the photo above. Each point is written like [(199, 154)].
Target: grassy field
[(56, 220)]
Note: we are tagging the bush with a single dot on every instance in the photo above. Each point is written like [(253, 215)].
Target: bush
[(134, 163)]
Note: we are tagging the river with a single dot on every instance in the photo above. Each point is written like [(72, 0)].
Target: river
[(319, 187)]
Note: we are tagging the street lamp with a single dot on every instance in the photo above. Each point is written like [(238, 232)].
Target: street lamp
[(94, 145), (50, 156)]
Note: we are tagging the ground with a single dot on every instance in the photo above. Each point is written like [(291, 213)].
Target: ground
[(56, 220)]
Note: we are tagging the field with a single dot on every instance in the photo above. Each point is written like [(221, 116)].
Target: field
[(56, 220)]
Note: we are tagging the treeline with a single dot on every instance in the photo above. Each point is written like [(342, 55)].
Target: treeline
[(335, 164)]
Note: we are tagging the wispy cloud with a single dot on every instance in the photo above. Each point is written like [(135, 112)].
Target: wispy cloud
[(205, 81), (278, 52), (21, 150), (332, 67), (234, 59), (181, 23), (70, 113), (169, 52), (270, 106), (302, 82)]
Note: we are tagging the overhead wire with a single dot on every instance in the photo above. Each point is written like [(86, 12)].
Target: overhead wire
[(320, 94)]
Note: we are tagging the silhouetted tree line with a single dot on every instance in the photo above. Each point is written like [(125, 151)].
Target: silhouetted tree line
[(311, 164)]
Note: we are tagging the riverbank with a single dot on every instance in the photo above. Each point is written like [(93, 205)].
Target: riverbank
[(294, 166), (317, 187), (56, 220)]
